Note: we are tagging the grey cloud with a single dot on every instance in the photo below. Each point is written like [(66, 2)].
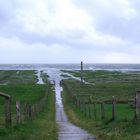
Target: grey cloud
[(108, 23), (6, 10), (70, 38), (127, 30)]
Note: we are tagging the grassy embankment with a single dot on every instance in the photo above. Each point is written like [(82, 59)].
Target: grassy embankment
[(107, 84), (21, 85)]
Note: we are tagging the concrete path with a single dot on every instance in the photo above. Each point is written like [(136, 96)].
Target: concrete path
[(67, 131)]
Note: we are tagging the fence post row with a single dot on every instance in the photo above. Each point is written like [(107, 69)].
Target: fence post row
[(85, 106), (29, 111)]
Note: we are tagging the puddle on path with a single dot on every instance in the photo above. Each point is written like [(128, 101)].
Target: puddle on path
[(67, 131)]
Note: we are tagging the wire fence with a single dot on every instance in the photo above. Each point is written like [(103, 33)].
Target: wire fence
[(108, 109), (22, 112)]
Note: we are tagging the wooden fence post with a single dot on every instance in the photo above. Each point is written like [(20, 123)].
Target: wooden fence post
[(18, 112), (113, 108), (102, 110), (33, 110), (80, 104), (75, 100), (25, 112), (137, 104), (8, 120), (82, 108), (89, 113), (135, 111), (30, 112), (95, 113), (85, 109)]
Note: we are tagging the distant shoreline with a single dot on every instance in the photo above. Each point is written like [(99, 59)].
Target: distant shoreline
[(87, 66)]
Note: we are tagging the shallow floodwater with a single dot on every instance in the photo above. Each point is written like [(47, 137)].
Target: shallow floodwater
[(67, 131), (40, 81)]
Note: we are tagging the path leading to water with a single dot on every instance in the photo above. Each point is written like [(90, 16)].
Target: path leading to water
[(40, 81), (67, 131)]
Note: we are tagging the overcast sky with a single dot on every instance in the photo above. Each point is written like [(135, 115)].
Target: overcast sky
[(68, 31)]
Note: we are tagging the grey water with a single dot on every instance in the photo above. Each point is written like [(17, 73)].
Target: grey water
[(119, 67)]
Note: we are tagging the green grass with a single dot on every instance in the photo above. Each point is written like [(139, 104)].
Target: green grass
[(121, 129), (100, 76), (103, 91), (21, 86), (24, 94), (42, 128), (18, 76), (107, 84)]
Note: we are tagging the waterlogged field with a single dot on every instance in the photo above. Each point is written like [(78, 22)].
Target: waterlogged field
[(102, 86), (21, 86)]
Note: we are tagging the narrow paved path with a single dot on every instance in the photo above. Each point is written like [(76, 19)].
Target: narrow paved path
[(67, 131)]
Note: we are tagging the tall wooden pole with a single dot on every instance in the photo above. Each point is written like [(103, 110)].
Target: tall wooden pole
[(81, 72)]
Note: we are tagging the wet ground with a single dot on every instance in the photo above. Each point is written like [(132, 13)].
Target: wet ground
[(38, 74), (67, 131)]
